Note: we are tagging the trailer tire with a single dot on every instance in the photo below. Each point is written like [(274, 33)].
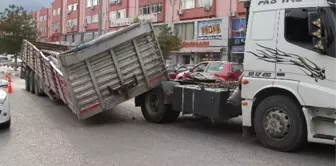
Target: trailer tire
[(155, 111), (37, 89), (27, 80), (31, 82), (280, 124)]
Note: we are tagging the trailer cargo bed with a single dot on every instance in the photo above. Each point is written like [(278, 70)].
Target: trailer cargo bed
[(102, 73)]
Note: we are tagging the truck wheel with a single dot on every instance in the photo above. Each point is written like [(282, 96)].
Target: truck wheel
[(27, 80), (37, 88), (280, 124), (31, 82), (154, 110), (6, 125)]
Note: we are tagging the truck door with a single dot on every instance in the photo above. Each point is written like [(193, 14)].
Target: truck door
[(301, 58), (259, 60)]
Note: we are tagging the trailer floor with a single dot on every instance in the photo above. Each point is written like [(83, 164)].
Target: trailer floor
[(43, 133)]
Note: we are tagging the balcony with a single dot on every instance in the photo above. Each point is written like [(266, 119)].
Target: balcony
[(121, 22), (207, 11), (150, 17)]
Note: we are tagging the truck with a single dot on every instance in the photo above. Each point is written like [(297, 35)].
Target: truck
[(286, 94), (97, 75)]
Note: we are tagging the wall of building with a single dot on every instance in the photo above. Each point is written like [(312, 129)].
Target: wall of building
[(186, 25)]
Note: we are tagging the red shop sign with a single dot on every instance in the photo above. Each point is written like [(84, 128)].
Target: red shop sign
[(194, 43)]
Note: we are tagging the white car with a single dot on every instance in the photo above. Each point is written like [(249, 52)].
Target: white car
[(5, 117)]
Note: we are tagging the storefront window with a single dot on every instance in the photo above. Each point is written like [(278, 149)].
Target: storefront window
[(209, 57)]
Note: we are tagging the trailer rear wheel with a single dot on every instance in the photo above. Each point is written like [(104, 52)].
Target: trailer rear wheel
[(31, 82), (38, 90), (154, 110), (280, 124), (27, 80)]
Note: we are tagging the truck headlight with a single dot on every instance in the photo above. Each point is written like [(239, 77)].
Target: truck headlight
[(3, 97)]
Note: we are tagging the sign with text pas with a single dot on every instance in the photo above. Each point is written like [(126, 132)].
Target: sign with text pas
[(210, 30)]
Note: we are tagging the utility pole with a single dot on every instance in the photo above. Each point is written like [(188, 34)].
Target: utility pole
[(100, 16)]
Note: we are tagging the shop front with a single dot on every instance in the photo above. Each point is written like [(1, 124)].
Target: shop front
[(237, 40), (210, 36), (237, 50)]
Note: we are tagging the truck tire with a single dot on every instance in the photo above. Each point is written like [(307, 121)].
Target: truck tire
[(38, 90), (27, 80), (6, 125), (155, 111), (280, 124), (31, 82)]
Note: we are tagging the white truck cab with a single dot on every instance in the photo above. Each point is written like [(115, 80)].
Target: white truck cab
[(288, 85)]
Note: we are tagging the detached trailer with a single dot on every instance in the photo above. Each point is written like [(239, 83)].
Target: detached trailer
[(97, 75)]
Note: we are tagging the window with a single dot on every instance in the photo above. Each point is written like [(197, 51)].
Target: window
[(187, 4), (215, 66), (121, 13), (72, 23), (260, 30), (75, 6), (43, 18), (95, 18), (296, 27), (43, 29), (144, 10), (202, 3), (200, 67), (95, 2), (54, 11), (113, 15), (59, 11), (88, 19), (185, 31), (72, 7), (88, 3), (157, 7)]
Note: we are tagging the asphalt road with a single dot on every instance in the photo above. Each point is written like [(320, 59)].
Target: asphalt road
[(44, 133)]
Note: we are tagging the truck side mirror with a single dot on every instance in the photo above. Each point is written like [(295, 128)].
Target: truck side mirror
[(315, 30)]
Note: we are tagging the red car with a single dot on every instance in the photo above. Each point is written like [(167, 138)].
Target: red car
[(173, 71), (223, 70)]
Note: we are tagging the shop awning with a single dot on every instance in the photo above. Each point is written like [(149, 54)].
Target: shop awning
[(197, 49)]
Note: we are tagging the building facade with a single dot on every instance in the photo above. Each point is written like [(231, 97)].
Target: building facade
[(204, 26)]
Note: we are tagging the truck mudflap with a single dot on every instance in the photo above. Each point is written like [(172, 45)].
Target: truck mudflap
[(233, 103), (206, 102)]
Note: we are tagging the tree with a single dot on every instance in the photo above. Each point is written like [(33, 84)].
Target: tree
[(15, 25), (168, 41), (136, 20)]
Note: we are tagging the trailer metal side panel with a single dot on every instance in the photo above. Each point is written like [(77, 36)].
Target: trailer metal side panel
[(102, 73), (110, 72)]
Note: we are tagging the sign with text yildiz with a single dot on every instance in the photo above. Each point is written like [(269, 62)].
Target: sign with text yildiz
[(210, 30)]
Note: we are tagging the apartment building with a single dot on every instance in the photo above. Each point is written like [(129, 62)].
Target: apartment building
[(204, 26), (57, 21)]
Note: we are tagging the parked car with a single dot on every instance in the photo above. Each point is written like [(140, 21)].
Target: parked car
[(12, 63), (223, 70), (176, 69), (4, 61), (5, 117)]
